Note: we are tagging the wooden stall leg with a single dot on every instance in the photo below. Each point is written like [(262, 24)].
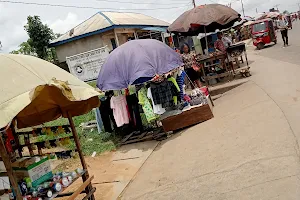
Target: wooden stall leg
[(246, 58), (82, 160), (6, 160)]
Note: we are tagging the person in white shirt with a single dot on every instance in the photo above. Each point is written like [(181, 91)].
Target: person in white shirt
[(282, 25)]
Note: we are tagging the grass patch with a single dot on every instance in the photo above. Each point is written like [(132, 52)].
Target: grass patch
[(90, 140)]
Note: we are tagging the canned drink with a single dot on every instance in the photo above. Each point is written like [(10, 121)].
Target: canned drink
[(65, 174), (46, 184), (79, 171), (23, 188), (70, 179), (64, 182), (57, 187), (34, 193), (74, 175), (56, 178), (49, 193), (36, 198), (27, 197)]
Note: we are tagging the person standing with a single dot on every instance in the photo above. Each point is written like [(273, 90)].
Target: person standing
[(221, 45), (282, 24), (188, 59)]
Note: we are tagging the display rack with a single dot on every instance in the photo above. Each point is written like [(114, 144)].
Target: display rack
[(86, 187)]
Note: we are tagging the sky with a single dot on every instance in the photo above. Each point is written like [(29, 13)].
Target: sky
[(13, 16)]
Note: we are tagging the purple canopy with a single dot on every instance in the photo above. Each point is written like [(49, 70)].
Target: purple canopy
[(136, 59)]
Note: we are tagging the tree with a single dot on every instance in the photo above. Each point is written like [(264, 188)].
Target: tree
[(40, 36), (25, 48)]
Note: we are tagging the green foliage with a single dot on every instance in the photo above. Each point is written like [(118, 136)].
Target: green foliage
[(25, 48), (40, 36)]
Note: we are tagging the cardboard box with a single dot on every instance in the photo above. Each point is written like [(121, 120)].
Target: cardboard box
[(38, 172)]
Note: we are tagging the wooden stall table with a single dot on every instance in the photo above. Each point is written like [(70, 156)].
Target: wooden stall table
[(217, 56), (188, 118)]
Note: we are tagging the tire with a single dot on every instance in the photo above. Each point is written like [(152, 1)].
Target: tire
[(260, 46), (275, 42)]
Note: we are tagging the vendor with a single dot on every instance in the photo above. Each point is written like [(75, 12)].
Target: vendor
[(221, 45), (188, 61)]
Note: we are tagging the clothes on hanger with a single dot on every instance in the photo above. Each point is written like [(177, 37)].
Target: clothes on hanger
[(163, 93), (119, 106), (157, 109), (107, 114), (180, 82), (146, 105), (175, 95), (134, 111)]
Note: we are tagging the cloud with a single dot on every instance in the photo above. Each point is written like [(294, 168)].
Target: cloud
[(64, 25)]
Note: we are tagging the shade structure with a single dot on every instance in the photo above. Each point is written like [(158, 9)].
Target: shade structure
[(136, 60), (35, 91), (205, 18)]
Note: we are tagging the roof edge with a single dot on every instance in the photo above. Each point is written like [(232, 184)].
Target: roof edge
[(100, 31), (107, 18)]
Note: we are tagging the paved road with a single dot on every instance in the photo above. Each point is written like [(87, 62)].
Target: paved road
[(250, 150), (290, 54)]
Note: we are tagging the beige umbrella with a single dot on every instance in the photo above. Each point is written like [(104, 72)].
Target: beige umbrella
[(35, 91)]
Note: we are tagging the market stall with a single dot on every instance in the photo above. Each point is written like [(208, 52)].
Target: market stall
[(153, 72), (205, 19), (39, 92)]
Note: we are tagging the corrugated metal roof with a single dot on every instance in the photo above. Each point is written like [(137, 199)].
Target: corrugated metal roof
[(104, 21)]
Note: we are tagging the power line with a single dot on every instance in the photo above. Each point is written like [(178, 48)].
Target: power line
[(112, 1), (79, 7)]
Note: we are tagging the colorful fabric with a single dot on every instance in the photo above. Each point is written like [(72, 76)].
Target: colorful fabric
[(146, 105), (157, 109), (180, 82), (219, 45), (175, 95), (188, 59), (163, 93), (119, 106)]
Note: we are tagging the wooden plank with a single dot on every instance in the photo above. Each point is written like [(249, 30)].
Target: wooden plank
[(82, 187), (82, 160), (10, 173), (89, 194), (188, 118), (36, 142)]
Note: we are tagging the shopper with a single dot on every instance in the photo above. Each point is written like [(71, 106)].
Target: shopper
[(188, 59), (282, 24)]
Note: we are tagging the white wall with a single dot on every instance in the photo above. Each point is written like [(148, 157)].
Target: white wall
[(90, 43)]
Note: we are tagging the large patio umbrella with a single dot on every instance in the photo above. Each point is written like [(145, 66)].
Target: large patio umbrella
[(135, 62), (34, 91), (205, 18)]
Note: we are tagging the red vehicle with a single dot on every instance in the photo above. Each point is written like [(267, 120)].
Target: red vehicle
[(263, 32)]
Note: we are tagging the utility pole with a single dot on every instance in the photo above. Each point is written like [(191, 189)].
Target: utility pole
[(256, 10), (194, 2), (243, 8)]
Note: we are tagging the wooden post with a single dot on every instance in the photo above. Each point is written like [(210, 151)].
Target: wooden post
[(116, 38), (6, 160), (85, 176)]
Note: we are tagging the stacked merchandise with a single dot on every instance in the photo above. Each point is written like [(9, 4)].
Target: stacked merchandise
[(36, 180)]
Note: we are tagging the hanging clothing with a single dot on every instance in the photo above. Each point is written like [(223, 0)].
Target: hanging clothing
[(134, 111), (157, 109), (147, 108), (119, 106), (175, 95), (107, 114), (180, 82), (163, 93)]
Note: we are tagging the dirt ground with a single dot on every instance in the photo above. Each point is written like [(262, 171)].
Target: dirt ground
[(112, 171)]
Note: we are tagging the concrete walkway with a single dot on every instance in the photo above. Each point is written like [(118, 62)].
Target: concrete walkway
[(248, 151)]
